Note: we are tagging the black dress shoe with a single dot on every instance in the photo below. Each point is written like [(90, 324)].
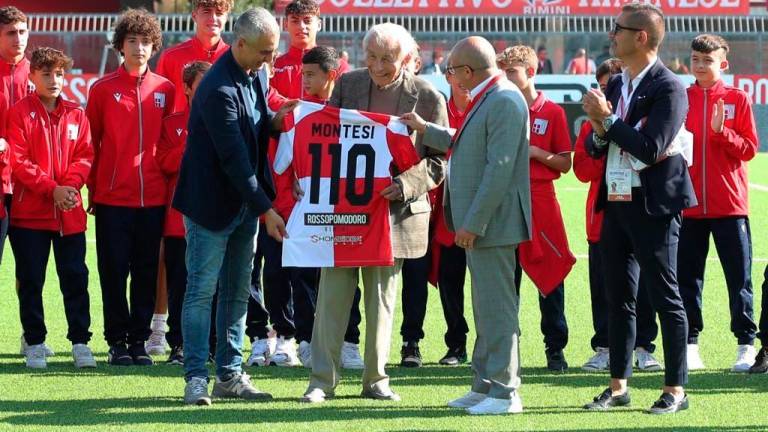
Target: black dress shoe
[(668, 405), (454, 357), (761, 362), (556, 361), (410, 356), (605, 401)]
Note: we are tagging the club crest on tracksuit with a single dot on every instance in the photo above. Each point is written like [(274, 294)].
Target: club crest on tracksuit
[(159, 100), (540, 126)]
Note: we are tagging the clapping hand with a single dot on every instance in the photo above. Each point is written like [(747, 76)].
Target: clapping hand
[(718, 116), (596, 105)]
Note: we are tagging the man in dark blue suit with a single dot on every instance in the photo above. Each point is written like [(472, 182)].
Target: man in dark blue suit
[(224, 186), (635, 124)]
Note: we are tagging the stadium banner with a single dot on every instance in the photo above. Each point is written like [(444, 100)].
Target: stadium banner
[(519, 7), (756, 86), (68, 6), (76, 87)]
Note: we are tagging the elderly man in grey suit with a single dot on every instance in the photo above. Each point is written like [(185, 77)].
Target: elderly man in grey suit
[(384, 87), (488, 205)]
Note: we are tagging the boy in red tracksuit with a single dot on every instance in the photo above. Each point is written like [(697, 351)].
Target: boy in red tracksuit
[(448, 267), (170, 149), (302, 22), (14, 85), (546, 259), (209, 16), (126, 187), (51, 155), (206, 45), (590, 170), (724, 140)]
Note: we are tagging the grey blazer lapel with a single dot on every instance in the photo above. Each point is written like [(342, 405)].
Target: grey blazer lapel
[(409, 96), (361, 92), (474, 110)]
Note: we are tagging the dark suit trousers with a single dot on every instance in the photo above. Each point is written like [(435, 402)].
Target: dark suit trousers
[(553, 324), (763, 335), (286, 296), (128, 242), (5, 201), (647, 330), (733, 241), (414, 297), (631, 236), (450, 281)]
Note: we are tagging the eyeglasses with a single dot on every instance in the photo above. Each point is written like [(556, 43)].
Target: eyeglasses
[(618, 27), (451, 70)]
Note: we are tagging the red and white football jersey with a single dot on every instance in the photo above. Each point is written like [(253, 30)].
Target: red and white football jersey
[(343, 159)]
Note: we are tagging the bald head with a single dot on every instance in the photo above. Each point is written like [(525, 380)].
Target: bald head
[(475, 52)]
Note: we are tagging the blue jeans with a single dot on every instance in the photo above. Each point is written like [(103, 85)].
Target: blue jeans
[(225, 257)]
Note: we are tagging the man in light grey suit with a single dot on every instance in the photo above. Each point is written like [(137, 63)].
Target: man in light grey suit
[(384, 87), (488, 205)]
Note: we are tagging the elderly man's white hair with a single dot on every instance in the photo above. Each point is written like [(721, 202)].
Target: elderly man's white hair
[(255, 22), (392, 35)]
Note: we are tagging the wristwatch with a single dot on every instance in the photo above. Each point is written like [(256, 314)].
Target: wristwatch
[(608, 122)]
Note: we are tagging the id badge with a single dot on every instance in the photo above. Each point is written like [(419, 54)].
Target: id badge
[(619, 184)]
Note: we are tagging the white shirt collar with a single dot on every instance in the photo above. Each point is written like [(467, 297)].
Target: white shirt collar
[(639, 77), (475, 91)]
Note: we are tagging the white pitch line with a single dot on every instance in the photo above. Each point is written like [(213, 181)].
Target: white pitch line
[(758, 187)]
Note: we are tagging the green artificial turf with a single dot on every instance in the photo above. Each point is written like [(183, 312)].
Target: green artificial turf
[(149, 398)]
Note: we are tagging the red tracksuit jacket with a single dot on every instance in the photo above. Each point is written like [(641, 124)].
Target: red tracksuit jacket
[(5, 171), (126, 115), (719, 170), (170, 149), (174, 59), (48, 150), (441, 235), (287, 78), (589, 170), (546, 258), (14, 85)]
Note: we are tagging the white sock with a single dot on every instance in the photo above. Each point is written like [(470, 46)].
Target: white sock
[(159, 322)]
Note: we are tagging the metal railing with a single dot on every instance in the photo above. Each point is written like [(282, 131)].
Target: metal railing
[(182, 23)]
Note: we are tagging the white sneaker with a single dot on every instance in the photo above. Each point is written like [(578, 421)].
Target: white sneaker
[(645, 361), (156, 344), (490, 406), (468, 400), (350, 356), (36, 357), (694, 359), (23, 349), (745, 358), (305, 354), (260, 353), (83, 356), (598, 362), (285, 353)]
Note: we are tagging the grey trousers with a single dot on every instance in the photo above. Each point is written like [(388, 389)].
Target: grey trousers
[(496, 356)]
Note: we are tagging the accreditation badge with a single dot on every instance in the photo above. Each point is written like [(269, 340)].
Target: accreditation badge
[(619, 182)]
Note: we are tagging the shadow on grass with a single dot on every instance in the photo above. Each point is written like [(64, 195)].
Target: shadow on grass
[(137, 411), (171, 411)]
